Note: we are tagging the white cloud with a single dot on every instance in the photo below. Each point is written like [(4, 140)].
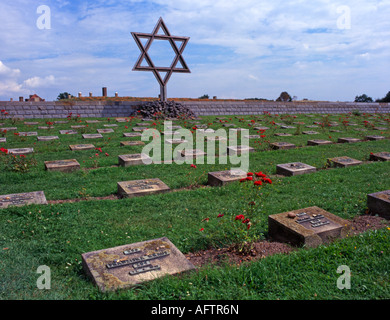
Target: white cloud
[(37, 82)]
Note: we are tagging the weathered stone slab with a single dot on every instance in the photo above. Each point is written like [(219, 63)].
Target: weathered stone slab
[(261, 128), (288, 127), (28, 134), (47, 138), (8, 129), (81, 126), (282, 145), (310, 132), (132, 134), (252, 136), (121, 119), (132, 143), (31, 123), (192, 153), (318, 142), (68, 165), (46, 127), (92, 136), (343, 162), (348, 140), (380, 156), (105, 130), (239, 149), (128, 265), (375, 138), (220, 178), (379, 203), (110, 125), (60, 122), (19, 151), (381, 128), (136, 188), (68, 132), (126, 160), (92, 121), (139, 129), (3, 139), (310, 227), (75, 147), (21, 199), (294, 169), (175, 141), (283, 134)]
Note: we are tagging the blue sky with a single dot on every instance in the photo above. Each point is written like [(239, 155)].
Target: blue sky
[(320, 50)]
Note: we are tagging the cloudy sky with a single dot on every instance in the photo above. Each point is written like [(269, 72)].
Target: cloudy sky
[(322, 50)]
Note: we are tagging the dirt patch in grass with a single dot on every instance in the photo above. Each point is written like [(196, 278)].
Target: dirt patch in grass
[(266, 248)]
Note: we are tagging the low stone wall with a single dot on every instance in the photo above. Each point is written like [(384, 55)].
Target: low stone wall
[(88, 109)]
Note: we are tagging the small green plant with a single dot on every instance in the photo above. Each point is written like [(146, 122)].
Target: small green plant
[(16, 163)]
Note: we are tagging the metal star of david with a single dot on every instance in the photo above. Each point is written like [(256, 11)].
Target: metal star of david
[(151, 67)]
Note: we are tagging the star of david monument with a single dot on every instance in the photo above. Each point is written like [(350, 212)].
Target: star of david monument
[(178, 64)]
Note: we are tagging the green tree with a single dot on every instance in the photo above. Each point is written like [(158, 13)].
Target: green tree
[(363, 98), (385, 99), (205, 96), (64, 95), (284, 97)]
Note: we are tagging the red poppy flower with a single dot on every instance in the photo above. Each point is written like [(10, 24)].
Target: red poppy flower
[(240, 217), (202, 229), (243, 180), (249, 178), (220, 215), (258, 183), (260, 174), (193, 166), (267, 180), (249, 174)]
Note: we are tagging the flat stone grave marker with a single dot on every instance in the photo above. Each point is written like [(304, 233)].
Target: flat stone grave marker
[(68, 132), (126, 160), (234, 129), (334, 130), (310, 132), (282, 145), (261, 128), (379, 203), (169, 133), (105, 130), (348, 140), (60, 122), (21, 199), (175, 141), (283, 134), (215, 138), (192, 153), (360, 129), (344, 162), (318, 142), (144, 124), (228, 125), (62, 165), (8, 129), (207, 130), (252, 136), (19, 151), (92, 121), (132, 134), (381, 128), (380, 156), (136, 188), (31, 123), (78, 126), (139, 129), (294, 169), (121, 119), (174, 127), (46, 127), (3, 139), (75, 147), (28, 134), (312, 126), (132, 143), (288, 127), (311, 227), (239, 149), (92, 136), (47, 138), (110, 125), (129, 265), (375, 138), (220, 178)]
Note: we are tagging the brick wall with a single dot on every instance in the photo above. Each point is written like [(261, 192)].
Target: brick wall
[(56, 109)]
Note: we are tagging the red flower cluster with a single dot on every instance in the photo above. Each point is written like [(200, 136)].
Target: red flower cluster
[(244, 220), (4, 150), (259, 175)]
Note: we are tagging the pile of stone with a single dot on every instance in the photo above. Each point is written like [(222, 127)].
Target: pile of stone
[(164, 109)]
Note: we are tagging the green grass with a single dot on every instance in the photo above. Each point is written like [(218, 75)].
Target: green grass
[(57, 234)]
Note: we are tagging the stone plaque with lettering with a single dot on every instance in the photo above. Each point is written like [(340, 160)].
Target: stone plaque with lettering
[(318, 142), (344, 162), (192, 153), (92, 136), (136, 188), (62, 165), (139, 129), (3, 139), (132, 143), (47, 138), (348, 140), (105, 130), (379, 203), (74, 147), (375, 138), (310, 227), (283, 134), (126, 160), (68, 132), (28, 134), (294, 169), (132, 134), (8, 129), (19, 151), (175, 141), (128, 265), (310, 132), (282, 145), (380, 156), (21, 199), (92, 121), (239, 149), (220, 178), (31, 123)]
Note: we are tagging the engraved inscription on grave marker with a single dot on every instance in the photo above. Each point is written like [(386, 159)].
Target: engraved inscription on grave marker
[(21, 199)]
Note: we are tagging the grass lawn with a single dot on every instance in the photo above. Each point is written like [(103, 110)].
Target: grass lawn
[(57, 234)]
